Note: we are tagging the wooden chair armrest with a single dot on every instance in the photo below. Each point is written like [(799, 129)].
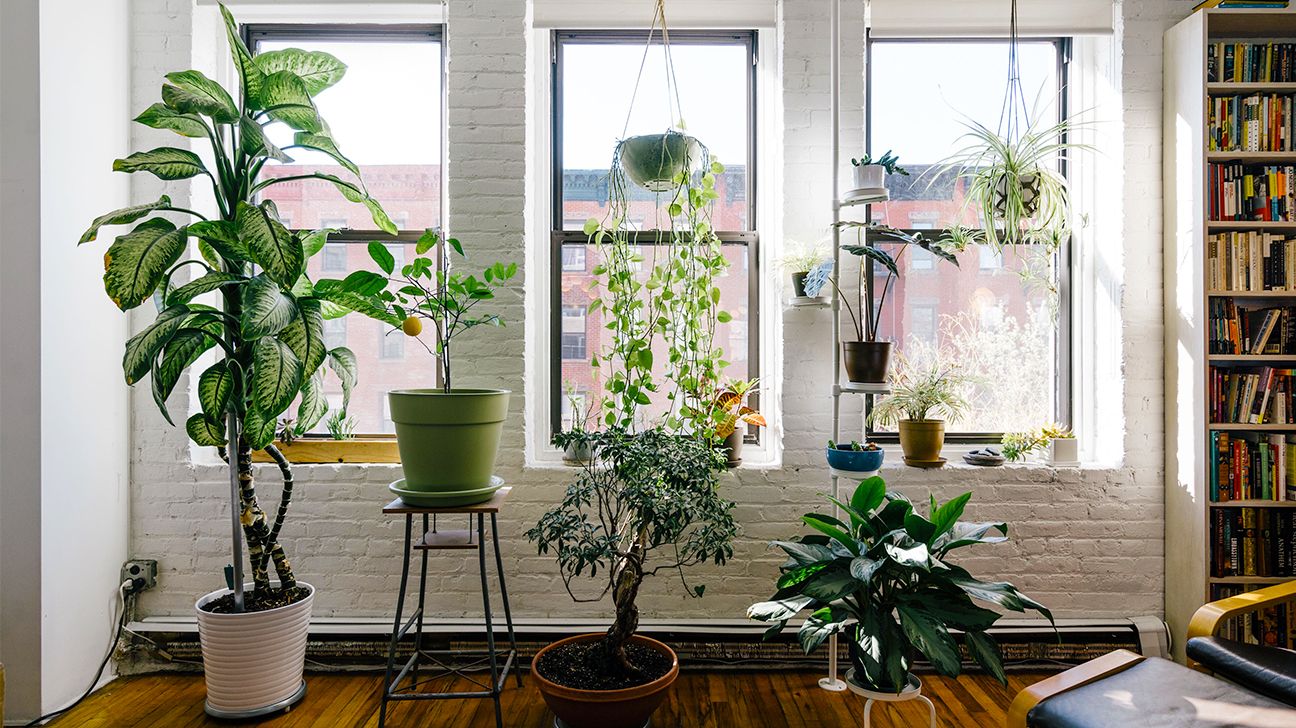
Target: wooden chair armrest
[(1207, 621), (1080, 675)]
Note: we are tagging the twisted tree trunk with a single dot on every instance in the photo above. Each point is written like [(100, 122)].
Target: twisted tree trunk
[(629, 575), (262, 540)]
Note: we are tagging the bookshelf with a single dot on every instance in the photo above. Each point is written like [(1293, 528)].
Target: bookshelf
[(1195, 300)]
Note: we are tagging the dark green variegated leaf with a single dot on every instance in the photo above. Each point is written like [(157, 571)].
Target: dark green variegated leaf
[(273, 247), (144, 347), (800, 574), (830, 585), (325, 144), (313, 242), (954, 609), (986, 652), (863, 568), (250, 74), (343, 363), (259, 429), (364, 282), (834, 528), (137, 261), (820, 625), (948, 514), (317, 70), (214, 389), (284, 97), (932, 639), (1000, 593), (124, 216), (331, 291), (966, 534), (805, 553), (181, 351), (915, 556), (166, 163), (276, 376), (222, 236), (161, 116), (919, 528), (190, 92), (206, 284), (305, 335), (313, 404), (205, 430), (877, 255), (267, 310), (778, 610), (254, 143)]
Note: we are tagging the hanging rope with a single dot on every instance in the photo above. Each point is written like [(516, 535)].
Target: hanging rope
[(1014, 104), (674, 107)]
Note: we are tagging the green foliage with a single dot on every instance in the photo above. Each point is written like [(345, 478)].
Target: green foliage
[(422, 290), (920, 390), (1018, 445), (717, 410), (886, 580), (340, 425), (803, 258), (888, 160), (872, 237)]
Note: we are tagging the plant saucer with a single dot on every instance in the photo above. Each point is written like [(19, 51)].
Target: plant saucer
[(937, 463), (445, 499)]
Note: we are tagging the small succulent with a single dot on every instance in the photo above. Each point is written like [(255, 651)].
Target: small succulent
[(341, 426)]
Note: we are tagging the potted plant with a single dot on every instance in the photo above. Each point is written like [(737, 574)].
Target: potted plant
[(657, 161), (616, 524), (1057, 442), (724, 410), (867, 359), (799, 261), (854, 457), (576, 451), (267, 333), (448, 437), (923, 396), (871, 174), (887, 580)]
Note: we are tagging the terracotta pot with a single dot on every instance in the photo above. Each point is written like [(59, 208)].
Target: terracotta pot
[(627, 708), (867, 361), (253, 661), (798, 284), (922, 440), (732, 448)]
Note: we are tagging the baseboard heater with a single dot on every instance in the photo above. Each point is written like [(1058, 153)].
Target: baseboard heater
[(338, 644)]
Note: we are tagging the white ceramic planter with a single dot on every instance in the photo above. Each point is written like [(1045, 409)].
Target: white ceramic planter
[(869, 177), (253, 662), (1064, 451)]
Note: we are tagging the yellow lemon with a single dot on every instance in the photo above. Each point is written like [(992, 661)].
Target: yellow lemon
[(412, 326)]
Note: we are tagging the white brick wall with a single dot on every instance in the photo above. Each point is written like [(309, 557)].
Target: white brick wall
[(1087, 543)]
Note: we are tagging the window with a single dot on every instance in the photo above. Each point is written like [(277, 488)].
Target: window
[(989, 313), (390, 125), (717, 81)]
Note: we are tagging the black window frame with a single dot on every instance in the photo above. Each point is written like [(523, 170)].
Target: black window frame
[(559, 236), (1063, 406)]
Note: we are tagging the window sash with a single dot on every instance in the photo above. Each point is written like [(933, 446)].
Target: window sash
[(1063, 258)]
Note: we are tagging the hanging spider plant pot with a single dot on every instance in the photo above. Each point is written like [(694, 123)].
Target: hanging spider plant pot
[(657, 162), (1026, 189)]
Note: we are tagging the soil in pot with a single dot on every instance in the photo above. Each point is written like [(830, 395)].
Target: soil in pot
[(253, 601), (581, 665)]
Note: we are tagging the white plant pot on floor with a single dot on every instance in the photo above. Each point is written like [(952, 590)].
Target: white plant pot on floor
[(253, 661)]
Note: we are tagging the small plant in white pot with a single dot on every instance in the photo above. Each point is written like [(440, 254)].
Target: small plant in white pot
[(1063, 447), (869, 174), (1056, 443), (577, 451), (267, 331), (924, 396)]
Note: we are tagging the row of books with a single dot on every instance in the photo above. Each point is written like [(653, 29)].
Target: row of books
[(1253, 395), (1272, 626), (1245, 62), (1252, 541), (1251, 261), (1256, 123), (1252, 466), (1236, 329), (1262, 192)]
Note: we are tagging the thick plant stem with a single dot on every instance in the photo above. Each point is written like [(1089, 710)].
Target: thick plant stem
[(624, 592), (282, 566), (253, 520)]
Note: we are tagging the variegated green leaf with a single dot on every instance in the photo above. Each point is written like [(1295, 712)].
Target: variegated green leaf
[(324, 143), (305, 334), (137, 261), (313, 404), (284, 97), (166, 163), (124, 216), (143, 348), (214, 389), (343, 363), (313, 242), (332, 291), (222, 236), (205, 284), (181, 351), (250, 74), (161, 116), (273, 247), (266, 308), (276, 376), (317, 70), (205, 430), (191, 92), (258, 429), (254, 143)]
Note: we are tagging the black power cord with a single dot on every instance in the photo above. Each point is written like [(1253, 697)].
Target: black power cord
[(129, 586)]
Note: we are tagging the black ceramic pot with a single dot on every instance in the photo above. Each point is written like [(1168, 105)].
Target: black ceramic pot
[(867, 361), (798, 284)]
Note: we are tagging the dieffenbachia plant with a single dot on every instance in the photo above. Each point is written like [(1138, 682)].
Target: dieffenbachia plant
[(269, 327)]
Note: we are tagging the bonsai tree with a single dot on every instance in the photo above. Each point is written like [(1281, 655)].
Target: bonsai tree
[(268, 327), (886, 579), (645, 503)]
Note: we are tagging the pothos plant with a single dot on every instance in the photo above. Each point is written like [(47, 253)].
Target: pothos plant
[(676, 304), (268, 328)]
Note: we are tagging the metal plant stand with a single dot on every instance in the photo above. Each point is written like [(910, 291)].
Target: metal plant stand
[(912, 691), (448, 662)]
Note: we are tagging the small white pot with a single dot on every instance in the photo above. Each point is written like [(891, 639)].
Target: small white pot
[(1064, 451), (869, 177), (253, 661)]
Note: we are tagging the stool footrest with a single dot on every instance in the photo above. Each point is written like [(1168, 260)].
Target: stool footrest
[(460, 539)]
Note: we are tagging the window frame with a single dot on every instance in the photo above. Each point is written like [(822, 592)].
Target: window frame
[(559, 236), (1064, 387), (254, 33)]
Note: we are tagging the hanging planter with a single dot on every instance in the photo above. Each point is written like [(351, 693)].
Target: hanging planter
[(659, 162)]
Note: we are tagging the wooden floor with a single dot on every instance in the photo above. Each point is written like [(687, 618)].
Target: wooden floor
[(698, 700)]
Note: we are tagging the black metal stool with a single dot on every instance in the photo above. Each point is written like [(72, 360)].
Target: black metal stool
[(431, 539)]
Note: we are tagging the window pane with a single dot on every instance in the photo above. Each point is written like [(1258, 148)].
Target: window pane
[(922, 93), (577, 373), (597, 84), (387, 123)]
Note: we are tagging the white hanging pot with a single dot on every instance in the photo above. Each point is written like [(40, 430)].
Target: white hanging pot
[(657, 162), (253, 661), (869, 176), (1028, 185)]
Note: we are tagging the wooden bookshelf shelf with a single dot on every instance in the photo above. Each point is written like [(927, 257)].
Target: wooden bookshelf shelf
[(1225, 88), (1251, 579), (1241, 427), (1251, 156), (1223, 226), (1254, 358), (1254, 504), (1251, 294)]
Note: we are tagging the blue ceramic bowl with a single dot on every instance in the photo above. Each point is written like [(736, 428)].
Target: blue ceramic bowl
[(861, 461)]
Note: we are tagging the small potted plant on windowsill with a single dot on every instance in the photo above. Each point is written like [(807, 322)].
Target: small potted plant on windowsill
[(920, 394), (725, 410), (869, 175), (1055, 442), (448, 438), (798, 263), (886, 580), (577, 451)]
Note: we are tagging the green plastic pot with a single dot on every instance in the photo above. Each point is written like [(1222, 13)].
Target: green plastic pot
[(655, 161), (448, 440)]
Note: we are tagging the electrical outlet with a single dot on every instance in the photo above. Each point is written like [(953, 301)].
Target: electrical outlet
[(145, 569)]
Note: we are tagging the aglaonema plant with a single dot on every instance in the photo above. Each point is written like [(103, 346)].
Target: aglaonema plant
[(268, 329)]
